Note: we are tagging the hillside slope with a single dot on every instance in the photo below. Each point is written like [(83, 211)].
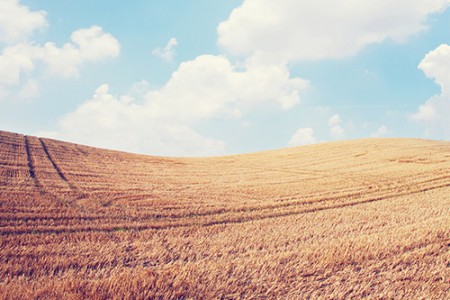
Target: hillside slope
[(335, 220)]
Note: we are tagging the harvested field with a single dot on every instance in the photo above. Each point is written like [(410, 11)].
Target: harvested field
[(367, 218)]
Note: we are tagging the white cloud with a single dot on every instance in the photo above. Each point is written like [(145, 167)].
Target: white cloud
[(17, 22), (14, 61), (168, 52), (88, 45), (336, 129), (303, 136), (210, 85), (435, 112), (162, 121), (18, 61), (317, 29), (119, 123), (381, 131), (21, 59), (435, 66), (426, 112)]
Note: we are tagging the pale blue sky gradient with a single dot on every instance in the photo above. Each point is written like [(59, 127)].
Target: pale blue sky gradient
[(380, 86)]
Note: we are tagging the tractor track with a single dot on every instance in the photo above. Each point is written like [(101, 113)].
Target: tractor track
[(31, 166), (58, 170), (226, 221)]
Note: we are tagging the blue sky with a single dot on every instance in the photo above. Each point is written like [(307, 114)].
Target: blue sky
[(189, 78)]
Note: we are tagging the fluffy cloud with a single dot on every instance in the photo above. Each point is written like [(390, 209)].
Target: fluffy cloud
[(436, 111), (17, 22), (162, 121), (303, 136), (14, 61), (21, 59), (87, 45), (209, 86), (168, 52), (317, 29), (336, 129), (119, 123), (427, 111)]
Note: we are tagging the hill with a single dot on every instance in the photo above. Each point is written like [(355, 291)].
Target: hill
[(366, 218)]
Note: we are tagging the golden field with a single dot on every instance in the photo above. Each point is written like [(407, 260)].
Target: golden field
[(367, 218)]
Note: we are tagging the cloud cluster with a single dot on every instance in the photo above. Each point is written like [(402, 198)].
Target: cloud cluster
[(266, 36), (20, 56), (163, 120), (435, 112), (87, 45), (290, 31), (317, 29)]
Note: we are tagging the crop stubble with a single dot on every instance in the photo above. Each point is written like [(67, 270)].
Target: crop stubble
[(336, 220)]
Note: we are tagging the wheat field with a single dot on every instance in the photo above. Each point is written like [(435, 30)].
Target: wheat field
[(343, 220)]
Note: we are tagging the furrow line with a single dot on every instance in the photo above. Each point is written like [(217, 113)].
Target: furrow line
[(32, 170), (397, 190), (31, 167), (238, 220), (57, 168), (401, 190)]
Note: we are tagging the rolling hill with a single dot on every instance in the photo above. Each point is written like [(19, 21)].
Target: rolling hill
[(352, 219)]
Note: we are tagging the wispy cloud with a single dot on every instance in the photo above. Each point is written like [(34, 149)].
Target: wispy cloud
[(168, 52), (380, 132), (336, 129)]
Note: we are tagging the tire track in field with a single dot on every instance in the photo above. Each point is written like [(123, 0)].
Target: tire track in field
[(379, 193), (58, 170), (381, 189), (33, 173), (369, 188), (226, 221), (31, 166)]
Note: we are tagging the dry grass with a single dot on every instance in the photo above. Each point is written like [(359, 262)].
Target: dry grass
[(368, 218)]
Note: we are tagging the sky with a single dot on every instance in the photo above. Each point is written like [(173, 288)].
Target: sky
[(201, 78)]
